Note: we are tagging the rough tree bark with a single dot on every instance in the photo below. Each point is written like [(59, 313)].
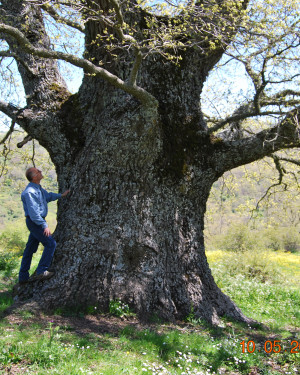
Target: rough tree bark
[(140, 176)]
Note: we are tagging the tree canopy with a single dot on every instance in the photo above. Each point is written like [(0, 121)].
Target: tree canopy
[(260, 40)]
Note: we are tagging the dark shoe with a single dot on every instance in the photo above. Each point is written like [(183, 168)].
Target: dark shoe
[(44, 276), (21, 282)]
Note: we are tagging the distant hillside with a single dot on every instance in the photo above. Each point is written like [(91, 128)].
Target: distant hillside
[(235, 196), (13, 164)]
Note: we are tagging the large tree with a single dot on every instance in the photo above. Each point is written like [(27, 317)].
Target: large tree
[(134, 145)]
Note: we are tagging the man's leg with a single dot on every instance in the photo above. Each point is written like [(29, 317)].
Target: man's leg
[(46, 259), (30, 249), (49, 246)]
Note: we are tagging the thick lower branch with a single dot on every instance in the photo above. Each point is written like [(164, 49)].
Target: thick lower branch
[(286, 134), (9, 109)]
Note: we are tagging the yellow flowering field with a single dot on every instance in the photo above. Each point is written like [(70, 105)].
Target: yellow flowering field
[(287, 264)]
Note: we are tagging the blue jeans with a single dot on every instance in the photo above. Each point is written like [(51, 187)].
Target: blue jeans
[(35, 237)]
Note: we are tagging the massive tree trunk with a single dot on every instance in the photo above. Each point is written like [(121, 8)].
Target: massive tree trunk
[(132, 227), (139, 174)]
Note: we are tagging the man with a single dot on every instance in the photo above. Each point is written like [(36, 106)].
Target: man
[(35, 200)]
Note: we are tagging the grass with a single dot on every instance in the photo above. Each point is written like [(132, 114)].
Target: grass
[(60, 345), (270, 294)]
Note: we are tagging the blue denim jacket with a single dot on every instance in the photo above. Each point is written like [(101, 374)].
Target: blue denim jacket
[(35, 200)]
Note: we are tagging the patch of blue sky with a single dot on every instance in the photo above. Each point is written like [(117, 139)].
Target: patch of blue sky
[(68, 40), (226, 88)]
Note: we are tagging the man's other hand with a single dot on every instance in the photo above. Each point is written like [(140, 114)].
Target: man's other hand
[(65, 193), (47, 232)]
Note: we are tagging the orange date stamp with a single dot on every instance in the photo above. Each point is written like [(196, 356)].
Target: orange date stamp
[(271, 346)]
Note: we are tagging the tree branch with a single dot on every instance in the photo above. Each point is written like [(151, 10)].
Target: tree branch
[(10, 131), (293, 161), (246, 150), (13, 112), (6, 151), (128, 38), (243, 112), (120, 22), (285, 93), (9, 109), (27, 139), (18, 59), (260, 82), (139, 93), (135, 68), (248, 110), (281, 171), (18, 115), (52, 12)]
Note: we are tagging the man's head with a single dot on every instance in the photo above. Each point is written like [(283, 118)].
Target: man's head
[(34, 175)]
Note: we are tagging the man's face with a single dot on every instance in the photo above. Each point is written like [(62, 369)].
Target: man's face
[(37, 176)]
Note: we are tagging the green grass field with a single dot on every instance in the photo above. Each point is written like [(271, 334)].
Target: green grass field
[(95, 343)]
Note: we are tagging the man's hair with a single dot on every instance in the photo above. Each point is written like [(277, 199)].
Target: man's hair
[(29, 174)]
